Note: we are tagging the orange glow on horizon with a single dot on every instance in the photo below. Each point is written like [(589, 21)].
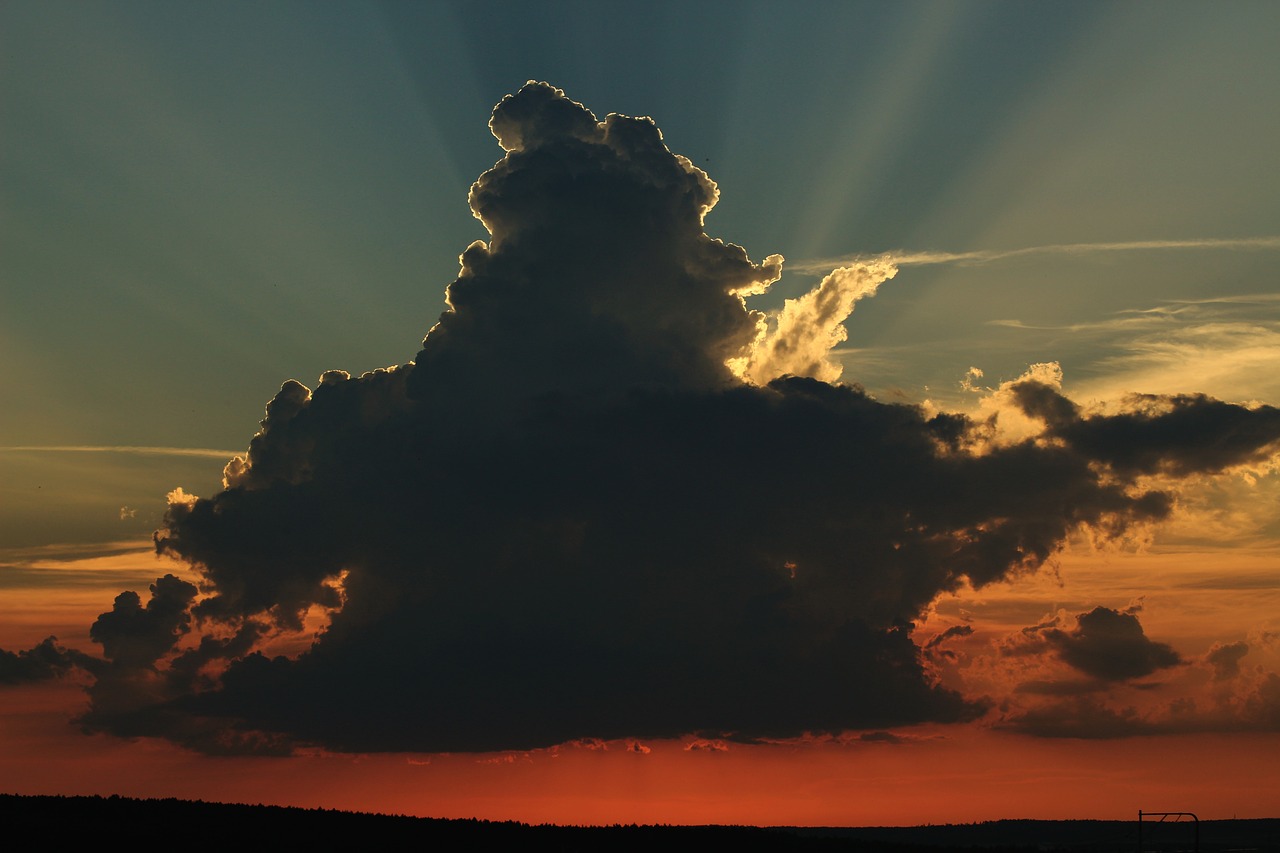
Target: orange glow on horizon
[(931, 774), (952, 776)]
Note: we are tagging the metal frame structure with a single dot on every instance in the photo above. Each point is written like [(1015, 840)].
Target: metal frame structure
[(1177, 818)]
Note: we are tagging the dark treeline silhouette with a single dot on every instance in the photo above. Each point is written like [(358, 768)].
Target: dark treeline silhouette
[(58, 821), (1076, 836)]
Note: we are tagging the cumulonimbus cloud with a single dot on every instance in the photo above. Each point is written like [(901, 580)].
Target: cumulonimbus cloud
[(605, 501)]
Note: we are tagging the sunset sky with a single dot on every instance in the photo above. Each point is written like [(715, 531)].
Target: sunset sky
[(951, 495)]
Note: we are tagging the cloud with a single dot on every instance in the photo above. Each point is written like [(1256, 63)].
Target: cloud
[(570, 518), (1225, 659), (882, 737), (1156, 434), (1111, 645), (1255, 708), (44, 661), (953, 631), (1233, 353), (1081, 717), (1107, 645), (132, 696), (933, 648), (132, 635), (812, 325), (979, 257), (201, 452), (1110, 649), (1227, 346), (598, 275), (706, 745), (1261, 707)]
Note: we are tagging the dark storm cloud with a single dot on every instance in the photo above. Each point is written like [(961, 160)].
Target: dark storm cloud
[(943, 636), (1111, 645), (1179, 435), (132, 635), (933, 648), (598, 276), (1106, 644), (570, 519), (132, 697), (1225, 659), (44, 661)]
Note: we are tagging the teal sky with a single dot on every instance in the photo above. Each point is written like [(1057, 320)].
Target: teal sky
[(200, 201)]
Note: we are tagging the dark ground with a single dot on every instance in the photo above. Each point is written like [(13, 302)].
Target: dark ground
[(55, 822)]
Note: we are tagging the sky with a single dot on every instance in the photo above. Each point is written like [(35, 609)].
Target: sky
[(887, 439)]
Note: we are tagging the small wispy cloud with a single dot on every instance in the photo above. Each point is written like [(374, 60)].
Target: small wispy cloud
[(903, 257), (202, 452), (1248, 299), (60, 552)]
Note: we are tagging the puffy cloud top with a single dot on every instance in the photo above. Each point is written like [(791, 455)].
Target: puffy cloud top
[(598, 274)]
